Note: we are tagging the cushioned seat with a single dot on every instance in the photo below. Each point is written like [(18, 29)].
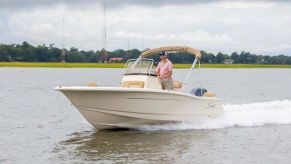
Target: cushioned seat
[(209, 94), (177, 84), (133, 84), (93, 84)]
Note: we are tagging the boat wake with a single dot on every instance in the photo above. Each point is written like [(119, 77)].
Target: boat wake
[(240, 115)]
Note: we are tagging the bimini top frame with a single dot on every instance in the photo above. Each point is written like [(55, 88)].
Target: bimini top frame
[(175, 49), (170, 49)]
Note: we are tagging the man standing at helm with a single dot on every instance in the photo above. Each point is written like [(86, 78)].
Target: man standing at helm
[(164, 71)]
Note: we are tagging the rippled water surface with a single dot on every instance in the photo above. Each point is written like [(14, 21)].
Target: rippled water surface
[(39, 124)]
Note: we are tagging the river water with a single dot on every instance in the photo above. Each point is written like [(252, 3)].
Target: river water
[(38, 124)]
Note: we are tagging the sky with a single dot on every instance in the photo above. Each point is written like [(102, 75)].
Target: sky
[(257, 26)]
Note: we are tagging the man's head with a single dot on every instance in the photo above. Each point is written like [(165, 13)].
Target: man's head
[(163, 55)]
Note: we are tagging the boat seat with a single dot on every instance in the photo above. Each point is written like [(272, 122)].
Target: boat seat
[(177, 84), (209, 94), (133, 84), (92, 84)]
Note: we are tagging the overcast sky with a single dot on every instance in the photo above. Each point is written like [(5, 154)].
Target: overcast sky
[(262, 27)]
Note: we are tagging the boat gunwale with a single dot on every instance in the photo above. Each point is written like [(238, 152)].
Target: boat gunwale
[(122, 89)]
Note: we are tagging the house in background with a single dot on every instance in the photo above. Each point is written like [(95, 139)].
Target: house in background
[(228, 61), (115, 59)]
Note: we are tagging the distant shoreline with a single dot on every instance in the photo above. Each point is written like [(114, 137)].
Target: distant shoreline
[(121, 65)]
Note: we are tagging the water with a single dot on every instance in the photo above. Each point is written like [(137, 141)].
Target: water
[(38, 124)]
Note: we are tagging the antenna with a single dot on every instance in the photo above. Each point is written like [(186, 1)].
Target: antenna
[(63, 59), (142, 36), (104, 54), (105, 26)]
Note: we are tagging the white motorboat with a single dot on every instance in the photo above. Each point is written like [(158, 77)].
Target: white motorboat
[(140, 99)]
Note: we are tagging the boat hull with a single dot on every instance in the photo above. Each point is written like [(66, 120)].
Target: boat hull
[(110, 107)]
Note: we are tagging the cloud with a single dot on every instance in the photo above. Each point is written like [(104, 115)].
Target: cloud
[(197, 36), (227, 26), (12, 4), (110, 3), (244, 5), (285, 46)]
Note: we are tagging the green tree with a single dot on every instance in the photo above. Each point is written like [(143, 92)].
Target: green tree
[(235, 57)]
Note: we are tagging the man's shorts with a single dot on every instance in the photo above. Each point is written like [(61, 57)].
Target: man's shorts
[(167, 84)]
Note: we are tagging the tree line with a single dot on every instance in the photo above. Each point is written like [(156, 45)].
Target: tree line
[(26, 52)]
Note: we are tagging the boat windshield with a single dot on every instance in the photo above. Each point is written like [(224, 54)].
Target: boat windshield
[(142, 67)]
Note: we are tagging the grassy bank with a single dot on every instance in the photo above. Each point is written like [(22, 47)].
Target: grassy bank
[(61, 65), (121, 65), (234, 66)]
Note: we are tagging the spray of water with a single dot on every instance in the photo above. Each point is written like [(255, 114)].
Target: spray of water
[(242, 115)]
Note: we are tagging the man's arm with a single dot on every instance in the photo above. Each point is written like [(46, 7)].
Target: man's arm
[(158, 70)]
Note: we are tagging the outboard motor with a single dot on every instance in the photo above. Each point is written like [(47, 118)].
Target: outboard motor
[(198, 91)]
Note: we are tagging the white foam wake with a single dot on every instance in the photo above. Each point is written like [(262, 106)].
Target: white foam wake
[(255, 114)]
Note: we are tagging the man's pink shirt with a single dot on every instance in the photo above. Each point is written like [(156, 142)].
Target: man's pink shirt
[(165, 68)]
